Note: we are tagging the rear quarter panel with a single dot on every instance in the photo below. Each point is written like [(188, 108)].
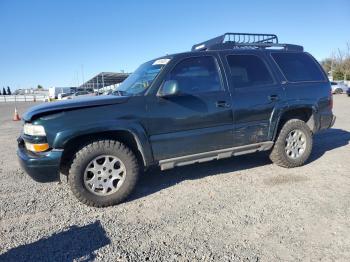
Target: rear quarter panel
[(314, 95), (308, 94)]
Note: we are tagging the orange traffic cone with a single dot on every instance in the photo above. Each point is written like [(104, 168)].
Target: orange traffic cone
[(16, 116)]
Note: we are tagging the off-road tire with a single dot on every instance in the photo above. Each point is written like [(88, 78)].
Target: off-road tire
[(83, 157), (278, 154)]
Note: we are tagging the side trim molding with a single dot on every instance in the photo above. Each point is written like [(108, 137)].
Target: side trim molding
[(214, 155)]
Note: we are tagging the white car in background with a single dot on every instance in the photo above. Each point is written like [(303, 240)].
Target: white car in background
[(63, 95), (79, 94), (339, 87)]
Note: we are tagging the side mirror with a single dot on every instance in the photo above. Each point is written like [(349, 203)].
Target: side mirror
[(169, 88)]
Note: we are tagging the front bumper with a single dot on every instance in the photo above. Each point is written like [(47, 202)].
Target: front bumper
[(43, 167)]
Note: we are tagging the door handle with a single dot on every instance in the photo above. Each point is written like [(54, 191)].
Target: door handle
[(273, 97), (223, 104)]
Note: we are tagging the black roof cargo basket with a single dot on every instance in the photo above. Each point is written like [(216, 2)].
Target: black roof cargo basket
[(244, 40)]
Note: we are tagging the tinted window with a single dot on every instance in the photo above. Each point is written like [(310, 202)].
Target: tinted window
[(142, 78), (196, 74), (248, 70), (298, 67)]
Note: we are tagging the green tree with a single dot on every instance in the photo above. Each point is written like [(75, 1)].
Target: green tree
[(327, 65), (343, 62), (40, 87), (4, 91), (9, 90), (337, 74), (347, 67)]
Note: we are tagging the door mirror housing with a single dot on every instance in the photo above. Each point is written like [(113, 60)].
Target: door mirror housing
[(169, 88)]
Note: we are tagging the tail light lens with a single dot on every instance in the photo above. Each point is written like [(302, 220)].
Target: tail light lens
[(330, 99)]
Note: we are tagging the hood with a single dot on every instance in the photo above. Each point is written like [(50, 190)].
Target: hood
[(78, 103)]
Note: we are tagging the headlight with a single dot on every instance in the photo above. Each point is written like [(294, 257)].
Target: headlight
[(33, 130)]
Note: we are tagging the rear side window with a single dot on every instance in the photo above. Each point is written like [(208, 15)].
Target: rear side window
[(248, 71), (298, 67)]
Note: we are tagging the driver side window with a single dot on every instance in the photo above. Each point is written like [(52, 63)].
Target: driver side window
[(196, 75)]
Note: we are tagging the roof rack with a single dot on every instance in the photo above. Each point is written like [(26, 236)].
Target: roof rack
[(244, 40)]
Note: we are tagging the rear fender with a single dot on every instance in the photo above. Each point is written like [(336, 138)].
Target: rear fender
[(277, 115)]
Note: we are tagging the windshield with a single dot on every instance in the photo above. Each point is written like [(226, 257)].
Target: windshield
[(141, 79)]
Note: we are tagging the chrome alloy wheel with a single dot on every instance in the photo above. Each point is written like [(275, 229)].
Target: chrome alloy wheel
[(104, 175), (295, 144)]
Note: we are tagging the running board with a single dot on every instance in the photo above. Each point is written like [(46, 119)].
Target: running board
[(212, 155)]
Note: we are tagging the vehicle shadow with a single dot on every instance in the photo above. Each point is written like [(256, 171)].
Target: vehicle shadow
[(155, 180), (328, 140), (75, 243)]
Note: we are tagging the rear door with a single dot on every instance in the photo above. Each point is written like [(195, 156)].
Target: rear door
[(198, 119), (255, 93)]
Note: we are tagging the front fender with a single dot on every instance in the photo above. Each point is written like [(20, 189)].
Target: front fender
[(63, 137)]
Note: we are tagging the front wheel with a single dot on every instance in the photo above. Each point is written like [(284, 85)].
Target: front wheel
[(293, 145), (103, 173)]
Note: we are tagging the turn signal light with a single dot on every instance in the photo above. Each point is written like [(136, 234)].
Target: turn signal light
[(37, 147)]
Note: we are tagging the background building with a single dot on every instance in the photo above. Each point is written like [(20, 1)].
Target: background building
[(104, 81)]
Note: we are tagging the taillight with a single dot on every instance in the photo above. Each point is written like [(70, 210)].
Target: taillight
[(330, 99)]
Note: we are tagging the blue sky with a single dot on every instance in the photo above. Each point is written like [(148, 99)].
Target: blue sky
[(47, 42)]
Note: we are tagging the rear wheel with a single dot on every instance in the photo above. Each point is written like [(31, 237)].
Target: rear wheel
[(293, 145), (103, 173)]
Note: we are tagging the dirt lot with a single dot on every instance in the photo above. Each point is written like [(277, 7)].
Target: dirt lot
[(236, 209)]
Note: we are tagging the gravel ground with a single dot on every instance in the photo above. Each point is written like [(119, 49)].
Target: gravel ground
[(236, 209)]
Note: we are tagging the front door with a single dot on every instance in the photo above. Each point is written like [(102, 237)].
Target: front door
[(199, 118)]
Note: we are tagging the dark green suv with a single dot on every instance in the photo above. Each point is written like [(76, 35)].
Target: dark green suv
[(232, 95)]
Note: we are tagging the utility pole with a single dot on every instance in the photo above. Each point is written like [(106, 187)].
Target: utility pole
[(77, 75), (103, 81), (98, 88), (332, 65), (82, 75)]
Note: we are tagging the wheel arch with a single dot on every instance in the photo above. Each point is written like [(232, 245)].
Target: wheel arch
[(132, 138), (306, 113)]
